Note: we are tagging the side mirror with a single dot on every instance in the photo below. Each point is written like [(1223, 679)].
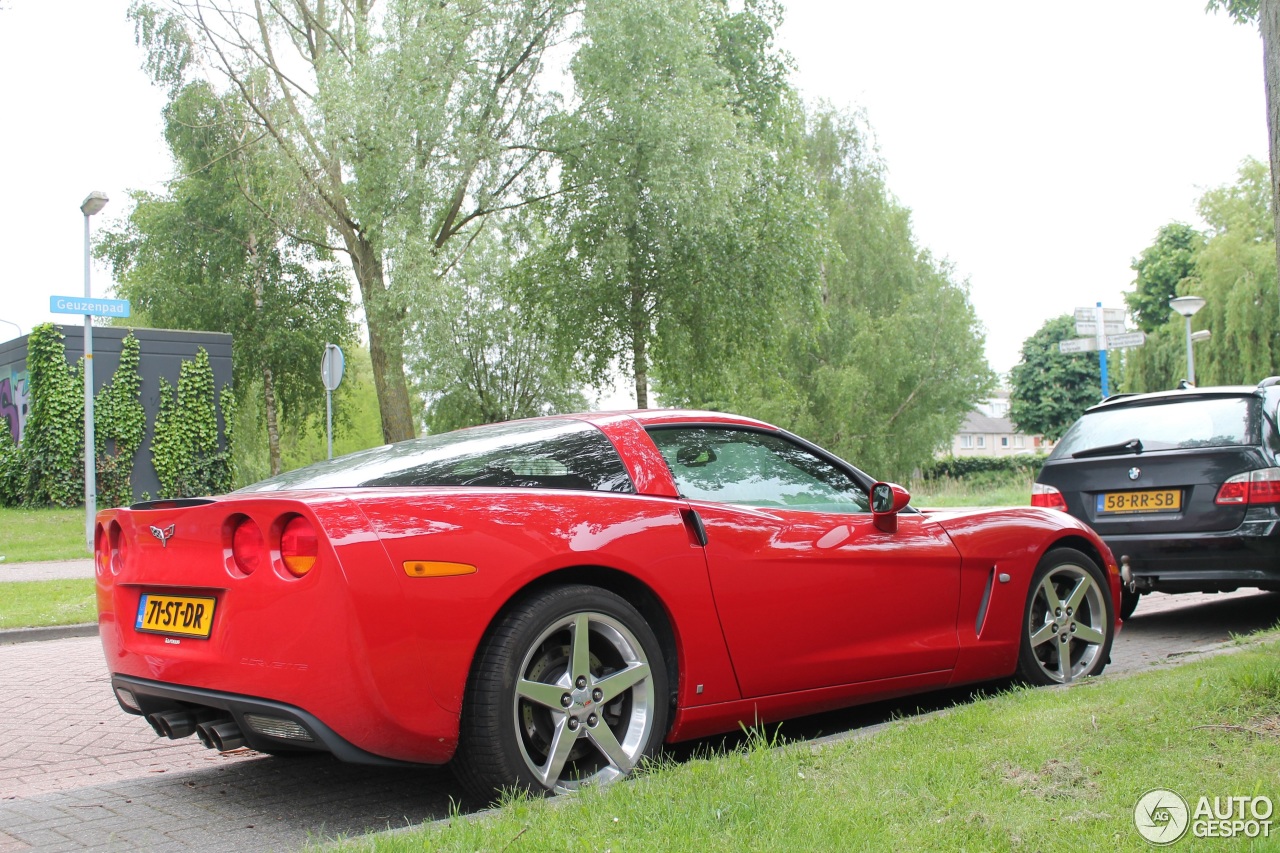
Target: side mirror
[(887, 500)]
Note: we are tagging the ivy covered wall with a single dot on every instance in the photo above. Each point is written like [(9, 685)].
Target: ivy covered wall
[(154, 363)]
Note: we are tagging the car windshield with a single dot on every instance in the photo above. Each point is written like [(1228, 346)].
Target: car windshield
[(548, 454), (1163, 425)]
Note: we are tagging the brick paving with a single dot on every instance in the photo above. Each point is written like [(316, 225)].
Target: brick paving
[(77, 773)]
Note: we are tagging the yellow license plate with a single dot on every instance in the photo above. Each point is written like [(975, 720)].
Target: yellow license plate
[(1148, 500), (180, 615)]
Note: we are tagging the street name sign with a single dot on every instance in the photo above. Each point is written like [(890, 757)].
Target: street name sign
[(1128, 339), (85, 305)]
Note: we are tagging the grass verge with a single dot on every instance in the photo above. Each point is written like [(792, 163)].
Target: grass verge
[(41, 534), (1012, 490), (1045, 769), (38, 604)]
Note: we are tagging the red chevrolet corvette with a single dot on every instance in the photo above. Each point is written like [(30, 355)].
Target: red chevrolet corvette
[(543, 603)]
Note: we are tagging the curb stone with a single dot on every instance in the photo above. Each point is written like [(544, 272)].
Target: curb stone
[(9, 636)]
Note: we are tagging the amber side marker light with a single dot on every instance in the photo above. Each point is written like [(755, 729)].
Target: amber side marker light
[(435, 569), (298, 548)]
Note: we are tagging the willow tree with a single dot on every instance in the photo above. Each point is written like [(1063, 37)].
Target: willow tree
[(404, 124), (665, 176)]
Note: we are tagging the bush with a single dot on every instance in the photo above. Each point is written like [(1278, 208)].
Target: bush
[(983, 468)]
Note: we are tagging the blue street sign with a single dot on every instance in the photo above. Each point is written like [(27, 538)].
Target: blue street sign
[(82, 305)]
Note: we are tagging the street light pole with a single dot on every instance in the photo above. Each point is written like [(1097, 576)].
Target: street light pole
[(93, 203), (1188, 306), (11, 323)]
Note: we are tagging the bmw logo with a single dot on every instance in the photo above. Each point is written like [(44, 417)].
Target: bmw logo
[(1135, 473)]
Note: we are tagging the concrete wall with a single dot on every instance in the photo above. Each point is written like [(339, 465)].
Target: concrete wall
[(161, 353)]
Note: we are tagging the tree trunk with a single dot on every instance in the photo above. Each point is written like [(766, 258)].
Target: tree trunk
[(640, 359), (385, 324), (1269, 24), (273, 420)]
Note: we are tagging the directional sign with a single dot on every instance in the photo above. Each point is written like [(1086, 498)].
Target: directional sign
[(83, 305), (1126, 340), (1109, 315), (1090, 327), (1079, 345)]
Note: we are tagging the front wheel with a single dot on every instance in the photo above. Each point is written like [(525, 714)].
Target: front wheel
[(1068, 623), (569, 689)]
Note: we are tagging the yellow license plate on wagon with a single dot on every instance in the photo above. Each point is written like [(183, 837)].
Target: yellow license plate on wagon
[(176, 615), (1147, 500)]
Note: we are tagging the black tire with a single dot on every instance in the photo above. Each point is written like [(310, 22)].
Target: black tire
[(544, 714), (1068, 623), (1128, 602)]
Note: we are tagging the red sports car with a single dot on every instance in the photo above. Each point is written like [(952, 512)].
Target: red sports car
[(543, 603)]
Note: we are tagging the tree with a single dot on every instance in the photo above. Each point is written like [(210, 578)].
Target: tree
[(482, 356), (667, 178), (1265, 14), (214, 253), (403, 127), (883, 365), (1050, 389), (1235, 270), (1160, 268)]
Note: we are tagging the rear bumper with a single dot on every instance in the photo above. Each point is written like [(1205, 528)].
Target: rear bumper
[(255, 718), (1248, 556)]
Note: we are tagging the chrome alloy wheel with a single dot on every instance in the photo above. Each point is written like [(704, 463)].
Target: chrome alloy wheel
[(1067, 623), (583, 702)]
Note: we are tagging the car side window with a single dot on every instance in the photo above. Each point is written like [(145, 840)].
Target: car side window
[(752, 468)]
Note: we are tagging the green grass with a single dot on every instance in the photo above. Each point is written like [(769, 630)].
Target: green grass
[(946, 492), (1034, 770), (32, 604), (42, 534)]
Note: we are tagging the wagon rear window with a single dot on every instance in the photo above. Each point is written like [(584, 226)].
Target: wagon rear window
[(546, 454), (1166, 424)]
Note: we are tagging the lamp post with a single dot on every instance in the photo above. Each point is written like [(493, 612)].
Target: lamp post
[(93, 203), (1187, 306), (11, 323)]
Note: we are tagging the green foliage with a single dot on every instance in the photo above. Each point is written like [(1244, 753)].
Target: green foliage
[(12, 470), (218, 251), (1234, 270), (119, 423), (1240, 11), (882, 368), (1161, 268), (185, 449), (957, 467), (52, 449), (1051, 389)]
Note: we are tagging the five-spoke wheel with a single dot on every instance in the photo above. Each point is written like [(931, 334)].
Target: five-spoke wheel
[(1068, 624), (569, 689)]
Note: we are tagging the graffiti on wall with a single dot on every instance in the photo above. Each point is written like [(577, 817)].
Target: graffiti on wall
[(14, 401)]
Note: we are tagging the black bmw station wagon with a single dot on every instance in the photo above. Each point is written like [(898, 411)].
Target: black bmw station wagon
[(1184, 487)]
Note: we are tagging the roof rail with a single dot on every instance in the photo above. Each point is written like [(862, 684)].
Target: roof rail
[(1269, 381)]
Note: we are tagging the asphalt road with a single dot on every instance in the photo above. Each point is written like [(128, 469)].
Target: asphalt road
[(76, 773)]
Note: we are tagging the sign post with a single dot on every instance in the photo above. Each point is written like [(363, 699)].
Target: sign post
[(1105, 326), (332, 366)]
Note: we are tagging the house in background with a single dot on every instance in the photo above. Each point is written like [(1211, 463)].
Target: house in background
[(987, 431)]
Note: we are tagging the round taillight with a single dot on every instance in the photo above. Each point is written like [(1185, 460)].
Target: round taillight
[(101, 549), (119, 547), (246, 546), (298, 547)]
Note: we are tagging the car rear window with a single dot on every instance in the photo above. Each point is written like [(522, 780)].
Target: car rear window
[(1166, 424), (548, 454)]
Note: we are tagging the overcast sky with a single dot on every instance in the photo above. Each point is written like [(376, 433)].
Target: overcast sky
[(1039, 146)]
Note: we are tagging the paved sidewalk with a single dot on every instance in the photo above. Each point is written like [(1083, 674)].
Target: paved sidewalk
[(50, 571)]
